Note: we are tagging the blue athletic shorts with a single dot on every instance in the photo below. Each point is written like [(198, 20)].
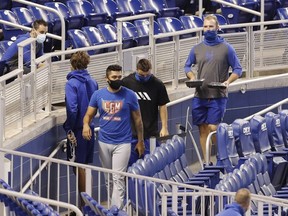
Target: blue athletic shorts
[(208, 111)]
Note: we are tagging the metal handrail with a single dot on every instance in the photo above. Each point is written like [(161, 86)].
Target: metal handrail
[(46, 162)]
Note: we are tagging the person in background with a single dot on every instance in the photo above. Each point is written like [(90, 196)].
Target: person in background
[(78, 90), (239, 206), (9, 60), (116, 104), (152, 97), (214, 56)]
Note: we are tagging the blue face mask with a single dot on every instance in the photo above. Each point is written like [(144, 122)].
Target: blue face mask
[(210, 35), (142, 78)]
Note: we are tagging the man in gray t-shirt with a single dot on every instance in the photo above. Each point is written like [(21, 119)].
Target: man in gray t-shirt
[(213, 57)]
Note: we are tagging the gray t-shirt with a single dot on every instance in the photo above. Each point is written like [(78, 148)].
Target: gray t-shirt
[(213, 61)]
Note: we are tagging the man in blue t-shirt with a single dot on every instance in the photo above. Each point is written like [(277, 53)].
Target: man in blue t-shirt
[(116, 104), (214, 56), (9, 60)]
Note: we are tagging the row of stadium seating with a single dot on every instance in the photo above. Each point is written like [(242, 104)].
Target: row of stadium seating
[(134, 34), (24, 207), (266, 135), (248, 154), (253, 174)]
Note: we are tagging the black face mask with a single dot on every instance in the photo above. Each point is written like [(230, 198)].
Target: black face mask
[(115, 84)]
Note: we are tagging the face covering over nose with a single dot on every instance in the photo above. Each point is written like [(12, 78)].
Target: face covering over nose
[(41, 38), (142, 78), (210, 35), (115, 84)]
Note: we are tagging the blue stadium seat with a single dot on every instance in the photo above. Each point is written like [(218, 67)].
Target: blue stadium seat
[(235, 16), (226, 149), (133, 6), (142, 27), (161, 8), (129, 34), (282, 14), (78, 39), (243, 140), (270, 9), (10, 33), (110, 7), (84, 7), (191, 21), (4, 44), (94, 36), (24, 16), (109, 33), (259, 134), (39, 13), (284, 125), (172, 24), (71, 21), (275, 137)]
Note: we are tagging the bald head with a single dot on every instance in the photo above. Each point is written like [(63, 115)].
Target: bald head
[(243, 197)]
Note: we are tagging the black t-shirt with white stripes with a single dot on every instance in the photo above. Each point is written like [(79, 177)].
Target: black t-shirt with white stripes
[(150, 94)]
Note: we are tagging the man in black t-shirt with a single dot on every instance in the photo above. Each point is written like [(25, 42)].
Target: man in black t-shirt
[(152, 96)]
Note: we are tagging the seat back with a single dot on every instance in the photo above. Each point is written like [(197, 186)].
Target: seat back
[(284, 125), (24, 16), (10, 33), (282, 14), (39, 13), (142, 27), (133, 6), (260, 134), (80, 7), (243, 139), (227, 153), (60, 7), (5, 44), (274, 130), (79, 39), (170, 24), (234, 15), (190, 22), (108, 31), (93, 35), (110, 7)]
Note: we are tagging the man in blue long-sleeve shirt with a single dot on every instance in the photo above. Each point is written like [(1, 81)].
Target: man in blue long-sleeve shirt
[(213, 57), (10, 57)]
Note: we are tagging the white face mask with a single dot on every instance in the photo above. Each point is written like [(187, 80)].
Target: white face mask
[(41, 38)]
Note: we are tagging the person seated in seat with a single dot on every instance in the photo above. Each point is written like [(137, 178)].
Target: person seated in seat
[(9, 60), (239, 206)]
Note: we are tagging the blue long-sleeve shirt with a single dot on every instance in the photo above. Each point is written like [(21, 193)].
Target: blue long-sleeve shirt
[(213, 59), (11, 55)]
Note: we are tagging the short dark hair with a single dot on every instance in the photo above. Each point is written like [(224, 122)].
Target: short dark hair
[(80, 60), (39, 22), (144, 65), (114, 67)]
